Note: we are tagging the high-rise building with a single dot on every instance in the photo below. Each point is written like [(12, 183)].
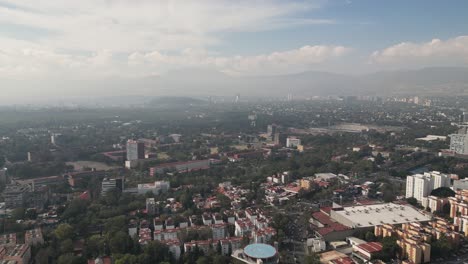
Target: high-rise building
[(271, 130), (135, 150), (420, 186), (3, 176)]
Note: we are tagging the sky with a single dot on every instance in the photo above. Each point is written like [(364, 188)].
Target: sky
[(98, 39)]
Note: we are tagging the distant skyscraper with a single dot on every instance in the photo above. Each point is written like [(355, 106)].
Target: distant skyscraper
[(271, 130), (135, 150), (237, 98), (253, 120)]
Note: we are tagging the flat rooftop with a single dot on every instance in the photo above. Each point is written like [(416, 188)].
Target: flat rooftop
[(378, 214)]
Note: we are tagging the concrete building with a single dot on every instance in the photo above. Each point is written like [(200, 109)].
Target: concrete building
[(366, 216), (16, 195), (8, 239), (420, 186), (218, 231), (435, 203), (111, 183), (459, 210), (135, 150), (459, 141), (156, 187), (33, 237), (42, 181), (180, 166), (460, 184), (18, 254), (316, 245), (293, 142), (366, 251), (257, 253)]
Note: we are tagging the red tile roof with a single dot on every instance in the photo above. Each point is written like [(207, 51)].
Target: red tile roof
[(371, 247), (346, 260), (329, 225)]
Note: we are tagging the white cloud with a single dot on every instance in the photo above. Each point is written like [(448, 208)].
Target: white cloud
[(434, 52), (274, 63), (133, 25), (95, 38)]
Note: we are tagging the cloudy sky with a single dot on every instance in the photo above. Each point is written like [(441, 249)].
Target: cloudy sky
[(95, 39)]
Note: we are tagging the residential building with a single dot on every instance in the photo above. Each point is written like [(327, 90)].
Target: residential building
[(459, 210), (16, 195), (33, 237), (8, 239), (219, 231), (18, 254), (460, 184), (420, 186)]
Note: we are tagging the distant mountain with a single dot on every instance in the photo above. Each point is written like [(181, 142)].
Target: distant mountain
[(427, 81), (204, 83)]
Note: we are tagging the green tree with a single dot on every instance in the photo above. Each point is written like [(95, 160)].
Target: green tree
[(66, 246), (443, 192), (312, 259), (120, 242), (18, 214), (64, 231), (413, 201)]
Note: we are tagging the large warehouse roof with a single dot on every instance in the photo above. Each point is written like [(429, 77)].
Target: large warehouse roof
[(378, 214)]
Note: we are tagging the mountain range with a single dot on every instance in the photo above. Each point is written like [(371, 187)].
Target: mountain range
[(437, 81)]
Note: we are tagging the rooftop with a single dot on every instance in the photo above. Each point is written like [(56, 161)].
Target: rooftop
[(371, 247), (378, 214)]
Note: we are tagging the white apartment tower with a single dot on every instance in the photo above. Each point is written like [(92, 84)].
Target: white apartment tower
[(420, 186)]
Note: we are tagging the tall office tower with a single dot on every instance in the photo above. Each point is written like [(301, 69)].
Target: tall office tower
[(135, 150)]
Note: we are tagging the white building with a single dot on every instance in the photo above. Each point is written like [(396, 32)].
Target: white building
[(316, 244), (219, 231), (420, 186), (156, 187), (292, 142)]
